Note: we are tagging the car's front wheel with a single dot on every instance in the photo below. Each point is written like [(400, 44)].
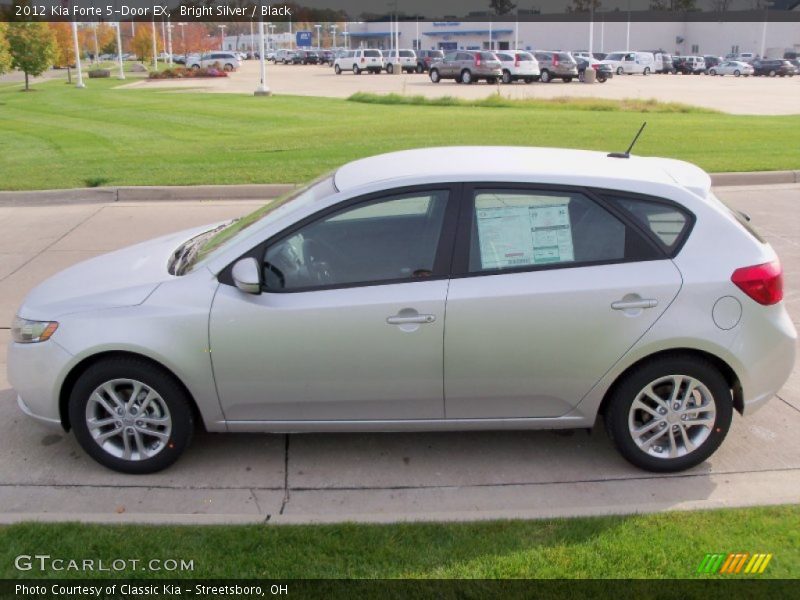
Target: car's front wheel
[(670, 414), (130, 415), (390, 68), (545, 77), (435, 76), (337, 69), (507, 76), (466, 76)]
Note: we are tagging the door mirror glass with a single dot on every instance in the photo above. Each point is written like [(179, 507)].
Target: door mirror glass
[(246, 276)]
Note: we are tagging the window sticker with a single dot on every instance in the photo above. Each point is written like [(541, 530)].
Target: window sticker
[(515, 230)]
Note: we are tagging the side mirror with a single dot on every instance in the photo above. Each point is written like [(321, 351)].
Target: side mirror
[(247, 276)]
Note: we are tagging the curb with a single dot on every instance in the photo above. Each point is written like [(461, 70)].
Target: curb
[(145, 193), (195, 193)]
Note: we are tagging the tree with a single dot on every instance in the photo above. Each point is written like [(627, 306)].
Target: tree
[(5, 54), (191, 38), (65, 49), (32, 46), (142, 42), (502, 7), (673, 5), (579, 6), (720, 5)]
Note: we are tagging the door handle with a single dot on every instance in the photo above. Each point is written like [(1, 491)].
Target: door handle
[(633, 304), (404, 320)]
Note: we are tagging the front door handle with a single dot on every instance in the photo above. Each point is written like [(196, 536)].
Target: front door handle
[(406, 319), (634, 304)]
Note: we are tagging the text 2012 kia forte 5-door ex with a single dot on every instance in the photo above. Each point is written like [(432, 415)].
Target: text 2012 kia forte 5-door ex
[(438, 289)]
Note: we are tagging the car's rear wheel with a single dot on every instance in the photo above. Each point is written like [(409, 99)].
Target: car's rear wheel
[(491, 80), (390, 68), (712, 72), (356, 70), (620, 70), (772, 73), (545, 76), (670, 414), (507, 76), (646, 71), (566, 79), (435, 76), (466, 76), (337, 69), (737, 73), (130, 415), (420, 68)]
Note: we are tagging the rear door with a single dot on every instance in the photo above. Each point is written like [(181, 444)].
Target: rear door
[(551, 287)]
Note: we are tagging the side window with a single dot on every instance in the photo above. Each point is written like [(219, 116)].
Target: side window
[(524, 228), (386, 240), (666, 221)]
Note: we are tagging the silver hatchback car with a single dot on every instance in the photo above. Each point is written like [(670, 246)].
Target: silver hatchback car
[(454, 288)]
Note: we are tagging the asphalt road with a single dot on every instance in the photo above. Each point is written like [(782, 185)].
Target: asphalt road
[(367, 477)]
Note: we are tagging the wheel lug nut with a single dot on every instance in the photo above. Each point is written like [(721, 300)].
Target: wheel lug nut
[(120, 412), (140, 423), (662, 411), (676, 406), (657, 449)]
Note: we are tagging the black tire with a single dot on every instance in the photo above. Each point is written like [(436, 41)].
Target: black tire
[(772, 73), (466, 77), (420, 68), (620, 70), (602, 79), (390, 68), (157, 379), (434, 75), (646, 71), (529, 79), (566, 79), (625, 393), (491, 80), (737, 73), (337, 69), (356, 70), (545, 76), (507, 76), (228, 67)]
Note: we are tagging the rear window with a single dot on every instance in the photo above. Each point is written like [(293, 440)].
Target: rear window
[(667, 222), (487, 56), (372, 53), (565, 57), (406, 53)]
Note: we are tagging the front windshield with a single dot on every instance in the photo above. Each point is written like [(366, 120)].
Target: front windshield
[(294, 200)]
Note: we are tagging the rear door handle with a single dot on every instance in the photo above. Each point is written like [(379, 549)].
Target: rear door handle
[(633, 304), (403, 320)]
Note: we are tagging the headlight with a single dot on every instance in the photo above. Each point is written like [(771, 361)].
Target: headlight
[(24, 331)]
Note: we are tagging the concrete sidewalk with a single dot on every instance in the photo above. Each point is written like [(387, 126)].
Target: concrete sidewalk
[(364, 477)]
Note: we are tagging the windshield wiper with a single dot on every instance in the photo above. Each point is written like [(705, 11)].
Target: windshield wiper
[(186, 253)]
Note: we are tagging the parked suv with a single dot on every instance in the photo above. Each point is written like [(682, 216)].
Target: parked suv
[(363, 59), (556, 65), (286, 57), (467, 66), (603, 71), (226, 60), (425, 58), (711, 62), (307, 57), (518, 65), (771, 68), (689, 65), (400, 59)]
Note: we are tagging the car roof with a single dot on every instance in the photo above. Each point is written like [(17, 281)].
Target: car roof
[(509, 163)]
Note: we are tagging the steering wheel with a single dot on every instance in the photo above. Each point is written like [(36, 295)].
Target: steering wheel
[(317, 256)]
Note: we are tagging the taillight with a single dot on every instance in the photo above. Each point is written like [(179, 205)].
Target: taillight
[(555, 60), (516, 60), (477, 60), (763, 283), (363, 60)]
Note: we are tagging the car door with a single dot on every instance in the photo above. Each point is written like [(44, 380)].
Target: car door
[(445, 66), (349, 325), (550, 288)]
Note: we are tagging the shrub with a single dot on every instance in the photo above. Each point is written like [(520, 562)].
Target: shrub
[(184, 73)]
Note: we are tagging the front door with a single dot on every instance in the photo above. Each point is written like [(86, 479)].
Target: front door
[(553, 290), (350, 322)]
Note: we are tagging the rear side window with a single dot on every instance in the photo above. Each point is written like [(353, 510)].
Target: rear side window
[(524, 56), (515, 228), (564, 57), (668, 223)]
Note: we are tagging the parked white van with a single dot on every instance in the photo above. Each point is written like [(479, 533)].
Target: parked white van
[(631, 62), (358, 61)]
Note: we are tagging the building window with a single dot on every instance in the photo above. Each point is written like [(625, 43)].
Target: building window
[(695, 49)]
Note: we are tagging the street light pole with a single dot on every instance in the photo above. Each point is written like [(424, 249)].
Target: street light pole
[(319, 36), (79, 84), (169, 42), (222, 36), (119, 53), (262, 89), (333, 31), (591, 29), (183, 40), (155, 49)]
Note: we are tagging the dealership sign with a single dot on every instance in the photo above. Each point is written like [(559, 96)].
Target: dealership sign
[(303, 38)]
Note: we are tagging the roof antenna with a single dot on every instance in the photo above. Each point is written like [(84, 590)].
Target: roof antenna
[(627, 153)]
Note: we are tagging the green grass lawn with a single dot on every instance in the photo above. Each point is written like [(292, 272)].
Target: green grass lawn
[(667, 545), (57, 136)]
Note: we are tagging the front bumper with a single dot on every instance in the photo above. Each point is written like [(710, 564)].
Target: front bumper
[(36, 372)]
